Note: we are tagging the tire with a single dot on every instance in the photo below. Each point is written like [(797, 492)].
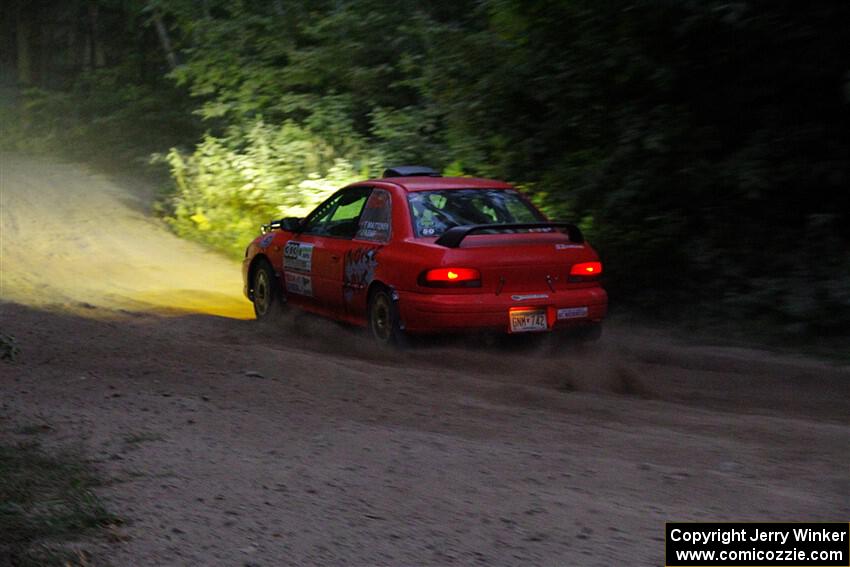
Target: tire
[(384, 320), (266, 294)]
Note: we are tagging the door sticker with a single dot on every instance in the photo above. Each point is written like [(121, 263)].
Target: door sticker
[(374, 230), (299, 283), (359, 271), (376, 218), (298, 256)]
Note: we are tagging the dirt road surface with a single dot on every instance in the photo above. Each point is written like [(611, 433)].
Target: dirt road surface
[(79, 240), (228, 442)]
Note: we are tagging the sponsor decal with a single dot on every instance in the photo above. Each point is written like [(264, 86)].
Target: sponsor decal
[(572, 313), (266, 240), (359, 271), (298, 256), (527, 296), (374, 230), (298, 283), (376, 217)]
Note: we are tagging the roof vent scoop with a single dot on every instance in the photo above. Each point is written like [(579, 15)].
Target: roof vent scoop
[(410, 171)]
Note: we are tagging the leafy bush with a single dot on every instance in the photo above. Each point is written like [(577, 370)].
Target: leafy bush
[(105, 116), (230, 185)]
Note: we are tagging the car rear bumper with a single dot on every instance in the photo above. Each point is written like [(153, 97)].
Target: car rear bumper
[(431, 313)]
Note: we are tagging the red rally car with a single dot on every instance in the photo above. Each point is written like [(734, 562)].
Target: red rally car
[(414, 252)]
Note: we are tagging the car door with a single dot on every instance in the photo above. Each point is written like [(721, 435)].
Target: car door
[(361, 259), (313, 259)]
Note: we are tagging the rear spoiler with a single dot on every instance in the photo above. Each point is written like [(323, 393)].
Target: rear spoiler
[(455, 235)]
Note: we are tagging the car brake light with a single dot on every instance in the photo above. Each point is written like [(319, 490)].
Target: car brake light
[(451, 277), (586, 269)]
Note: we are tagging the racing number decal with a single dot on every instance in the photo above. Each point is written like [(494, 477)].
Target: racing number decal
[(298, 256)]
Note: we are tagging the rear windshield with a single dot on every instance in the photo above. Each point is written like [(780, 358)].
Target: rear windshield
[(434, 212)]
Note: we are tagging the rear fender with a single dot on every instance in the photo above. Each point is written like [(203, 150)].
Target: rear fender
[(377, 284)]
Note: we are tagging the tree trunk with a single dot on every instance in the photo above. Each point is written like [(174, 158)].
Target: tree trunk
[(86, 49), (71, 55), (23, 33), (97, 56), (164, 40)]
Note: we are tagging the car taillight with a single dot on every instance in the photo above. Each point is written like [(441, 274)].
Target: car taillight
[(586, 269), (451, 277)]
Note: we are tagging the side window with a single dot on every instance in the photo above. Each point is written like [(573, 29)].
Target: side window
[(338, 216), (428, 213), (518, 210), (376, 221)]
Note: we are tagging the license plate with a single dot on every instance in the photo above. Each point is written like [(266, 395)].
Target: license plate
[(572, 313), (524, 320)]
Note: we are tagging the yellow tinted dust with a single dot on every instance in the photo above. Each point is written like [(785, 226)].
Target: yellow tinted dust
[(78, 240)]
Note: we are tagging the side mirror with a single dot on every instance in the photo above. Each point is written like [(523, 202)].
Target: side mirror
[(292, 224)]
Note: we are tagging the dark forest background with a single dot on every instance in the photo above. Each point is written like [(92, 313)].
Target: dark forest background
[(704, 146)]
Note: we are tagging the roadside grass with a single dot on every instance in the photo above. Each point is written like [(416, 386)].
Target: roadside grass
[(46, 505)]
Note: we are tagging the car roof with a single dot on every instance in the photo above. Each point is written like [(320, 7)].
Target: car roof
[(427, 183)]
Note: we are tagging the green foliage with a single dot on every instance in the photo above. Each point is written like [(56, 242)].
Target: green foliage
[(97, 90), (225, 191), (103, 117), (707, 146), (336, 103)]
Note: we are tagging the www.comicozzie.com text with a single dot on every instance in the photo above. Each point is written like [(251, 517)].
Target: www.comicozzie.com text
[(743, 534)]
